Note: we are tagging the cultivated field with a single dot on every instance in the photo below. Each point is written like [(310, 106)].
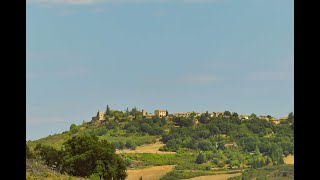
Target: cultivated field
[(150, 173), (215, 177), (289, 159), (147, 148)]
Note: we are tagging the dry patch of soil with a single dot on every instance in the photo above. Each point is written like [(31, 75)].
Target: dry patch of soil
[(147, 148), (289, 159), (150, 173), (215, 177)]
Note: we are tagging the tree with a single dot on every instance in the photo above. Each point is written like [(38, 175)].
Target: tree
[(205, 145), (207, 114), (29, 153), (234, 114), (235, 163), (167, 113), (108, 111), (220, 164), (130, 144), (227, 113), (127, 112), (249, 143), (73, 126), (253, 116), (200, 159), (276, 154), (193, 114), (50, 155), (86, 155), (290, 117)]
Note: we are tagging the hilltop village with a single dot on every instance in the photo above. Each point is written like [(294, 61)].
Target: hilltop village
[(190, 144), (101, 116)]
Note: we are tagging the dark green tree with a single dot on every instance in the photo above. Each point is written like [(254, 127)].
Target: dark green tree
[(50, 155), (234, 114), (227, 113), (86, 155), (200, 159), (108, 111), (290, 117)]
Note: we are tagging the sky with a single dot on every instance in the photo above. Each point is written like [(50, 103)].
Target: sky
[(179, 55)]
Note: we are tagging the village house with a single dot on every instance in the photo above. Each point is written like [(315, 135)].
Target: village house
[(243, 117), (160, 112), (217, 114), (99, 116), (182, 114), (278, 120)]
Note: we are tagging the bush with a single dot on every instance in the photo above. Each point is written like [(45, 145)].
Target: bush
[(285, 153), (200, 159), (221, 164), (131, 145)]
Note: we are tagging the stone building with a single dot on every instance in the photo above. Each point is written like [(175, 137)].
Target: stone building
[(160, 112), (182, 114), (144, 113), (217, 114), (99, 116)]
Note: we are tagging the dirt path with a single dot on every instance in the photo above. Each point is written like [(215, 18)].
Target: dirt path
[(289, 159), (151, 173), (215, 177), (147, 148)]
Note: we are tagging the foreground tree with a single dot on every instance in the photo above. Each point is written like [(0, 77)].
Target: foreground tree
[(86, 155)]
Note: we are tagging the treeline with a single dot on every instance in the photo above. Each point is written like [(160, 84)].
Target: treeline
[(247, 136), (151, 126), (82, 156)]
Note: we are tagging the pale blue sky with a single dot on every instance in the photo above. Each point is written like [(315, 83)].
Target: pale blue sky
[(180, 55)]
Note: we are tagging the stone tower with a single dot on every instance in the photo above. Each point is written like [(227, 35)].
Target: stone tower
[(100, 116)]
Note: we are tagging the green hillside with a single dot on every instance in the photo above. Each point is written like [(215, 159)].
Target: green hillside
[(204, 144)]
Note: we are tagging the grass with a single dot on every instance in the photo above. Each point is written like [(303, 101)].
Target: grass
[(57, 140), (138, 140), (284, 171), (149, 159), (43, 172)]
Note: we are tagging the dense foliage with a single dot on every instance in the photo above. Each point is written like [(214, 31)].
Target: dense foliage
[(83, 156)]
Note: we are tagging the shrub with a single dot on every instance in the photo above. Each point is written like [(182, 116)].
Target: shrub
[(285, 153), (200, 159), (131, 145), (221, 164)]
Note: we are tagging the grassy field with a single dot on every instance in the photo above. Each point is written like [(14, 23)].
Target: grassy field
[(283, 172), (57, 140), (147, 148), (43, 172), (216, 177), (150, 173)]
